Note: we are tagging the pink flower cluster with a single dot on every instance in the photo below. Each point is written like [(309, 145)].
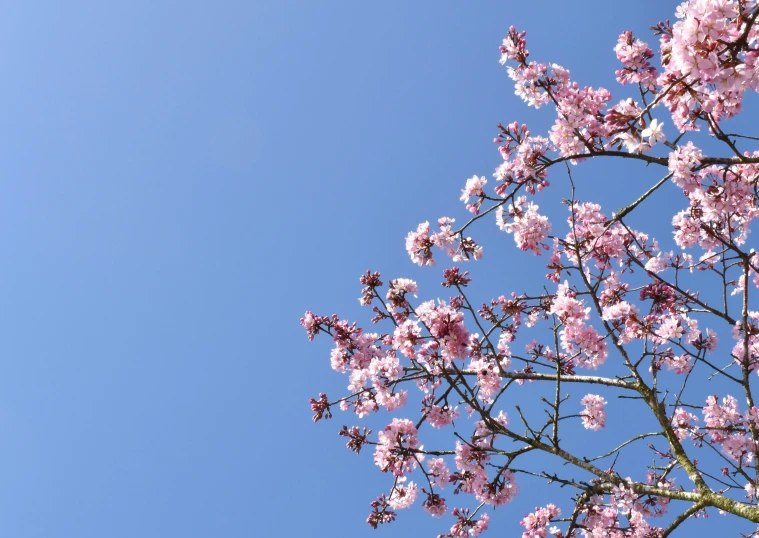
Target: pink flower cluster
[(529, 227), (438, 472), (447, 326), (594, 414), (700, 51), (474, 187), (403, 495), (488, 377), (635, 55), (434, 504), (396, 451), (580, 115), (419, 244), (358, 354), (591, 237), (523, 160), (438, 416), (472, 477), (728, 428), (578, 339), (466, 526), (536, 523), (747, 342), (684, 423), (603, 519)]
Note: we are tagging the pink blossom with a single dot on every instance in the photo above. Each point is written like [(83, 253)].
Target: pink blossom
[(585, 338), (473, 477), (671, 328), (499, 491), (594, 415), (530, 228), (387, 398), (631, 142), (634, 54), (391, 454), (513, 47), (445, 239), (683, 423), (750, 492), (682, 161), (488, 378), (402, 285), (504, 350), (681, 364), (439, 417), (566, 307), (711, 340), (654, 133), (536, 522), (720, 419), (447, 326), (619, 310), (687, 230), (438, 472), (419, 245), (403, 495), (435, 505), (658, 263), (388, 367), (474, 186), (527, 83), (406, 336), (624, 497)]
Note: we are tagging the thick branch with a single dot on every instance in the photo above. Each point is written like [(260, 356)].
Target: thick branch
[(590, 379)]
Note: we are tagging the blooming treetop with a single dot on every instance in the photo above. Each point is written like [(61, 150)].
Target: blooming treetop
[(617, 311)]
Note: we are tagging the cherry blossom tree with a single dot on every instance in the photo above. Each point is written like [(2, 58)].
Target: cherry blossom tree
[(619, 316)]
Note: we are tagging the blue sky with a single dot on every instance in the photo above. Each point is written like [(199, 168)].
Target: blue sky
[(181, 180)]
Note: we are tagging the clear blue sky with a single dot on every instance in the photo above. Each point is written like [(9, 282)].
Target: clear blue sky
[(180, 181)]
